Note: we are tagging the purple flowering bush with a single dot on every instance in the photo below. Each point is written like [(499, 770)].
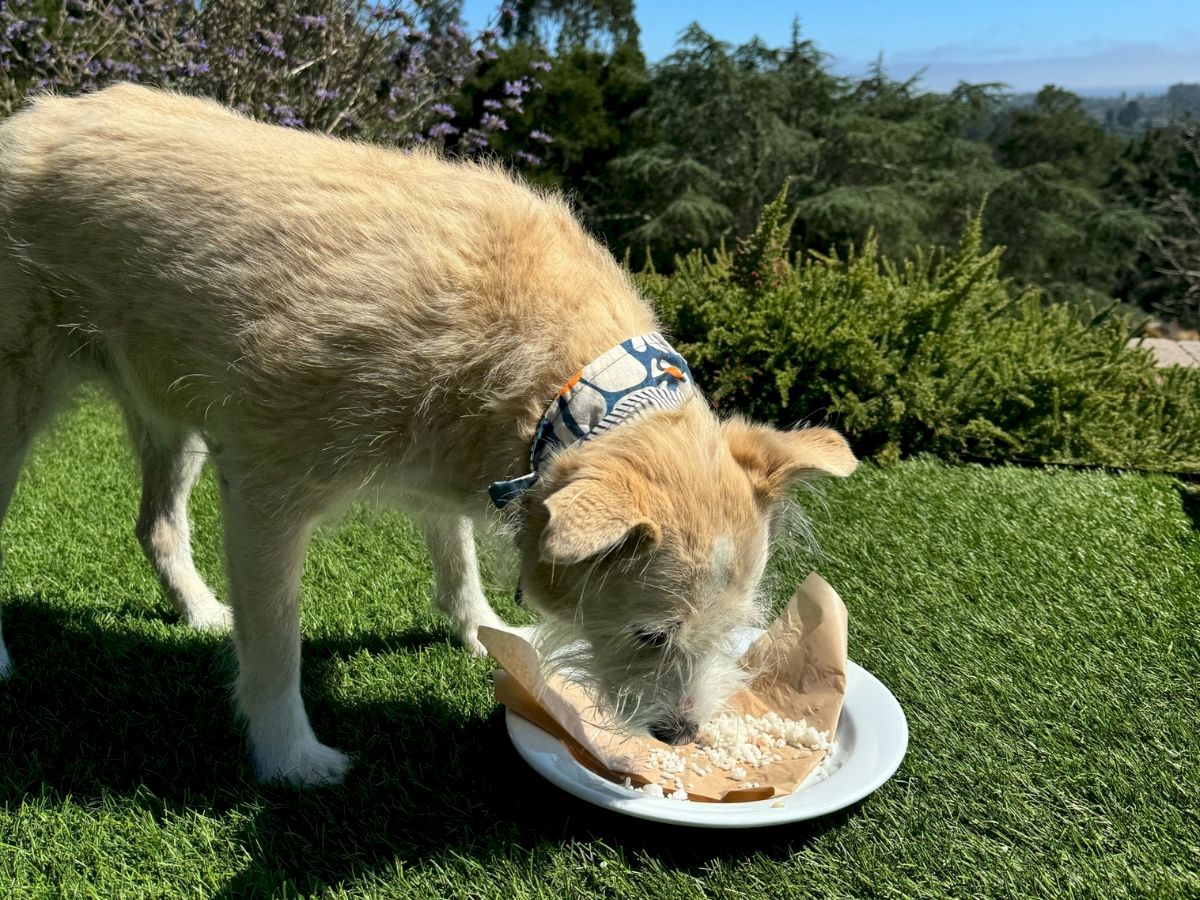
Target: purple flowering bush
[(383, 71)]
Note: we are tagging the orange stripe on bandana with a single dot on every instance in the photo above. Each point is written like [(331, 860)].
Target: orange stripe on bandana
[(673, 372), (571, 382)]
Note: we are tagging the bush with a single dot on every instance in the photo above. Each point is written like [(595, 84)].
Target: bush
[(381, 70), (936, 354)]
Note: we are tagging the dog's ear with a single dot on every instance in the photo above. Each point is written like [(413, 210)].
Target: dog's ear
[(775, 459), (589, 517)]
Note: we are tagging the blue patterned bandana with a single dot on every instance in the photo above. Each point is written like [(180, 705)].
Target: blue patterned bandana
[(638, 374)]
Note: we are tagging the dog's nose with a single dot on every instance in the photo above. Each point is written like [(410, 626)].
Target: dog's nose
[(674, 732)]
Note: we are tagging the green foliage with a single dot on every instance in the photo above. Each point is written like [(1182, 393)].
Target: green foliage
[(937, 353), (723, 127), (378, 70), (721, 131), (571, 24), (759, 263), (687, 154), (1159, 173), (1054, 205), (574, 121), (1131, 117)]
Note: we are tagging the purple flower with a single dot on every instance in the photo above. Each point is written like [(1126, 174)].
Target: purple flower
[(516, 88), (492, 122), (310, 22), (270, 43), (474, 138), (442, 130), (515, 104), (541, 136), (541, 65), (492, 104), (443, 109), (527, 158), (286, 116), (327, 93)]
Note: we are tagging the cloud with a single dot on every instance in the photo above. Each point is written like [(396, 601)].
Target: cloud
[(1116, 66)]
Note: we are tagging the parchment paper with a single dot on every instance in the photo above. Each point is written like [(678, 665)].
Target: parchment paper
[(800, 673)]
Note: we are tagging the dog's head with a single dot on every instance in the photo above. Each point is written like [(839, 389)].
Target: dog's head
[(645, 551)]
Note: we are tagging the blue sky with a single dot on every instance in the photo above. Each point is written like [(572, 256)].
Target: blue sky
[(1095, 47)]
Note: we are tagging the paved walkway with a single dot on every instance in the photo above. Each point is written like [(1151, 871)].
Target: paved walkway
[(1171, 353)]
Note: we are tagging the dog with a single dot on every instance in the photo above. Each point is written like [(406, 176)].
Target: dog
[(324, 319)]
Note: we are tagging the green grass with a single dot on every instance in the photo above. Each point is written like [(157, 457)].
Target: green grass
[(1039, 628)]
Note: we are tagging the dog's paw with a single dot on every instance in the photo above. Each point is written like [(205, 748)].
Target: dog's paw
[(211, 616), (308, 766), (473, 646), (468, 633)]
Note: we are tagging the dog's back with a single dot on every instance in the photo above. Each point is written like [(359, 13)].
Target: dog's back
[(204, 256)]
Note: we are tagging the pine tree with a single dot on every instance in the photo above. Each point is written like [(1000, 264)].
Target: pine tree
[(760, 261)]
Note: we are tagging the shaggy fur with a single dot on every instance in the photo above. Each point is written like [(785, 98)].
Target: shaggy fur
[(325, 318)]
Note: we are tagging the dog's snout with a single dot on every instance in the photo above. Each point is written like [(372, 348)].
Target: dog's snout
[(675, 732)]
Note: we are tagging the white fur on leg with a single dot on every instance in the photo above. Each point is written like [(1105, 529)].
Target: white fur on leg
[(169, 550), (286, 749), (468, 631), (458, 591), (170, 466), (266, 554), (209, 616)]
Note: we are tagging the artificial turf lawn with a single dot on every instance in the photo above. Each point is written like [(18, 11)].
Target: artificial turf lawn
[(1039, 628)]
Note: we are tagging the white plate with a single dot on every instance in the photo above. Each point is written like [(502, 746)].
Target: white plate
[(872, 738)]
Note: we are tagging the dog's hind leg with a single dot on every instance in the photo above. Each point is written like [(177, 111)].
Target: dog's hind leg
[(32, 375), (265, 541), (457, 589), (171, 461), (12, 455)]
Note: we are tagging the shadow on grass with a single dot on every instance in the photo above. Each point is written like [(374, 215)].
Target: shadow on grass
[(1189, 499), (98, 713)]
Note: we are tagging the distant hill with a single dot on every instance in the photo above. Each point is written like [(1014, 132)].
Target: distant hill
[(1129, 114)]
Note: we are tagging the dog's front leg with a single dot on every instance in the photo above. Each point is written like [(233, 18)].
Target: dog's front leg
[(457, 589), (265, 548)]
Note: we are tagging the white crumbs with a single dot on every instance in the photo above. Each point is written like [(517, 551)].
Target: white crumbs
[(731, 741), (656, 790), (733, 744)]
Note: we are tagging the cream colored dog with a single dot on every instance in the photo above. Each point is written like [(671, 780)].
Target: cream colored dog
[(326, 318)]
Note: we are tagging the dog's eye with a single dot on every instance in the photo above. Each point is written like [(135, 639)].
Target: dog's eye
[(651, 637)]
